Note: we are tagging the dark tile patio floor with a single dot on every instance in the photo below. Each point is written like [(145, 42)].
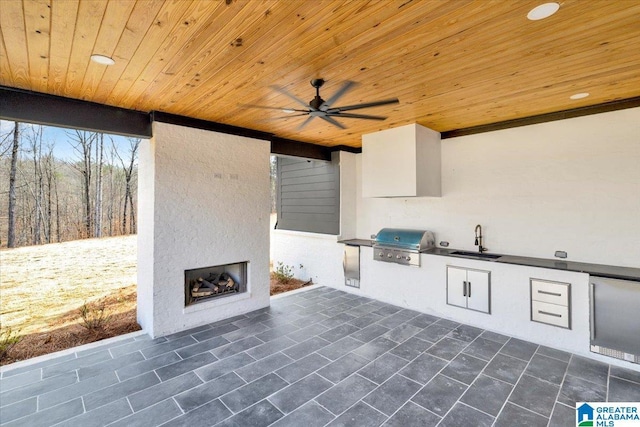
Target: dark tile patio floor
[(317, 358)]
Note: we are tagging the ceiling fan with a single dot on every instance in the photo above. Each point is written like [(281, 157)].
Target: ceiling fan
[(325, 110)]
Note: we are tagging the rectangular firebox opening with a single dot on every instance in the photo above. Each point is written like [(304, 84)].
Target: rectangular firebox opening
[(204, 284)]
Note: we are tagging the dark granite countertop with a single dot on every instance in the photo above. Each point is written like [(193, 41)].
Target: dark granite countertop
[(612, 271)]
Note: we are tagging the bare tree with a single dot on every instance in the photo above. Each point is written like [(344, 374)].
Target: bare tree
[(11, 238), (98, 207), (83, 146), (134, 143)]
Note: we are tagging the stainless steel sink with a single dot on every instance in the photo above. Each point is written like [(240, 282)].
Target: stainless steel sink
[(468, 254)]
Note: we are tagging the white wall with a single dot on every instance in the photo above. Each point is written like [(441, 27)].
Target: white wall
[(571, 185), (189, 219)]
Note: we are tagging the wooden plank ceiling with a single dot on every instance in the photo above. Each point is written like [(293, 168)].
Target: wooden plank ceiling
[(452, 64)]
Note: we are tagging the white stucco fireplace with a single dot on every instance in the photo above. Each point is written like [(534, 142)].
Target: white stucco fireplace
[(203, 201)]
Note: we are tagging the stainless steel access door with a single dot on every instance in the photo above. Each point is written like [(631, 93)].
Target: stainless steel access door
[(351, 265), (615, 314)]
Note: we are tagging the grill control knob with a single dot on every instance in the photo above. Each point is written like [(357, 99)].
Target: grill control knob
[(398, 256), (381, 254), (408, 258), (389, 255)]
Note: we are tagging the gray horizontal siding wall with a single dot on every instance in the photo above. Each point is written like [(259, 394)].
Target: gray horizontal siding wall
[(308, 195)]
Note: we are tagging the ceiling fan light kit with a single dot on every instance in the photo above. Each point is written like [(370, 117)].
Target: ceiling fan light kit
[(318, 107)]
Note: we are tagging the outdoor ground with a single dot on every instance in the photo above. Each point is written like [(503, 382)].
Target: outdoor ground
[(42, 289)]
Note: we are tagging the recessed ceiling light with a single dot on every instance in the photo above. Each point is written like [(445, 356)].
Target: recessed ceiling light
[(579, 95), (288, 110), (101, 59), (543, 11)]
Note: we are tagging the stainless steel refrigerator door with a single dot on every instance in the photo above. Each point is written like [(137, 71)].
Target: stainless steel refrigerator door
[(351, 262), (615, 314)]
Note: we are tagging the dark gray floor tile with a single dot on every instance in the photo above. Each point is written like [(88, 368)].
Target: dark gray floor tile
[(447, 323), (199, 360), (505, 368), (338, 332), (253, 392), (518, 348), (186, 332), (222, 367), (375, 348), (168, 346), (37, 366), (236, 347), (155, 415), (49, 416), (303, 367), (423, 320), (383, 368), (259, 415), (447, 348), (576, 389), (587, 369), (513, 415), (100, 417), (339, 348), (369, 333), (18, 409), (343, 367), (271, 347), (412, 415), (263, 366), (20, 380), (209, 391), (483, 348), (465, 333), (206, 415), (139, 368), (563, 416), (214, 331), (625, 374), (245, 332), (277, 332), (307, 331), (305, 348), (359, 414), (433, 333), (392, 394), (387, 310), (463, 415), (411, 348), (227, 321), (547, 369), (135, 346), (556, 354), (423, 368), (346, 393), (109, 365), (487, 394), (464, 368), (439, 395), (394, 320), (535, 394), (365, 320), (299, 393), (309, 415), (623, 391), (162, 391), (493, 336), (78, 389), (338, 320), (201, 347), (402, 333), (34, 389), (71, 365), (120, 390)]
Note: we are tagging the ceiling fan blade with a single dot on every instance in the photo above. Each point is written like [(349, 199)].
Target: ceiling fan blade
[(356, 116), (290, 95), (365, 105), (333, 121), (344, 89), (266, 107), (305, 123), (271, 119)]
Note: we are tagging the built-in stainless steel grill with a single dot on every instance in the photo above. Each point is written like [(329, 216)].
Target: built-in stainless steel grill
[(401, 246)]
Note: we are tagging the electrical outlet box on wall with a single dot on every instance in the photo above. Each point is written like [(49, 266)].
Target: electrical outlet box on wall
[(401, 162)]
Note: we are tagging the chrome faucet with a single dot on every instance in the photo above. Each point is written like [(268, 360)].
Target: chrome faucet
[(479, 239)]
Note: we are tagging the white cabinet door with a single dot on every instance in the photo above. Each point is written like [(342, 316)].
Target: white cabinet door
[(478, 290), (456, 295)]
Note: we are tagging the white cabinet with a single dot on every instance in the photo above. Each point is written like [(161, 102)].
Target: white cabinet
[(469, 288), (550, 302), (401, 162)]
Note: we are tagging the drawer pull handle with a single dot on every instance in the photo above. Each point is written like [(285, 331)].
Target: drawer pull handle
[(550, 293), (549, 314)]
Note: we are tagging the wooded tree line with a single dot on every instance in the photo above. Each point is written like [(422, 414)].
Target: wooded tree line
[(46, 199)]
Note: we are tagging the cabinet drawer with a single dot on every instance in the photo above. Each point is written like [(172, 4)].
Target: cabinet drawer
[(551, 292), (551, 314)]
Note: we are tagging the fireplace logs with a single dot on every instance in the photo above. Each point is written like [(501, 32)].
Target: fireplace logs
[(202, 284), (214, 284)]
